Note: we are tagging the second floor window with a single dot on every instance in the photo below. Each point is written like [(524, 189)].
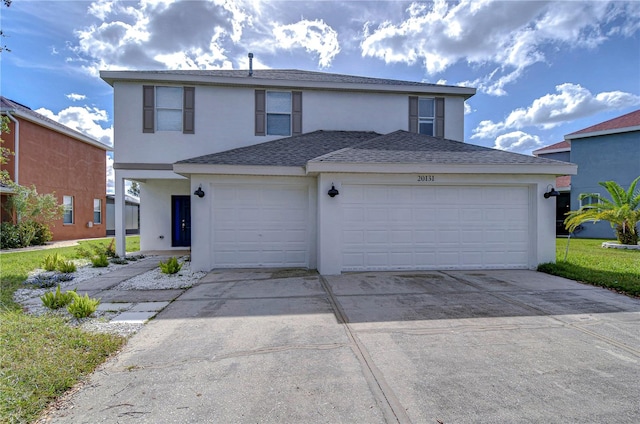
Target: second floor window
[(278, 113), (97, 211), (67, 217), (426, 116), (166, 108), (169, 108)]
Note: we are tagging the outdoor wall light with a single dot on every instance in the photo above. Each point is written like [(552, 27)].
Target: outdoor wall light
[(551, 192), (333, 192), (199, 192)]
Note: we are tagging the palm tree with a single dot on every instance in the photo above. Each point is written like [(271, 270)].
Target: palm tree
[(622, 211)]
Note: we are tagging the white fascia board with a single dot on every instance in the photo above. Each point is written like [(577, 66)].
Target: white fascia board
[(112, 76), (61, 128), (146, 174), (206, 169), (406, 168), (600, 133)]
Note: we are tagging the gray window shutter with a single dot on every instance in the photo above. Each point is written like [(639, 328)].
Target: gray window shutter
[(296, 112), (261, 112), (148, 108), (188, 112), (413, 114), (439, 124)]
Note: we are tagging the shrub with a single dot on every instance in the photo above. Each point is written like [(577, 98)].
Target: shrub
[(48, 280), (66, 266), (41, 233), (56, 300), (51, 262), (9, 237), (27, 233), (83, 307), (100, 261), (172, 266)]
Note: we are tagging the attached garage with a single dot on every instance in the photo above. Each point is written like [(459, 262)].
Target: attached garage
[(261, 225), (392, 227), (340, 201)]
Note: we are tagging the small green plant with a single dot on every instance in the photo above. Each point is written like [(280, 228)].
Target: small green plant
[(83, 306), (56, 300), (66, 267), (119, 261), (48, 280), (172, 266), (50, 262), (100, 261)]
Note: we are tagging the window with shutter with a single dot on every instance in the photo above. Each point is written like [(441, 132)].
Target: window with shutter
[(426, 115), (168, 109), (278, 112)]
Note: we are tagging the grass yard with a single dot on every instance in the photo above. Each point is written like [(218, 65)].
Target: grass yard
[(587, 262), (42, 357)]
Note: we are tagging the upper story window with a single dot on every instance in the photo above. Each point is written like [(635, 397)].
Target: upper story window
[(67, 217), (278, 112), (97, 211), (589, 199), (168, 108), (426, 115)]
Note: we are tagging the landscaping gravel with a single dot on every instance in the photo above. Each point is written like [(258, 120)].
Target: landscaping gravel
[(100, 321)]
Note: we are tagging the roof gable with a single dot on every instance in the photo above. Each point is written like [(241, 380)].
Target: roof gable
[(563, 146)]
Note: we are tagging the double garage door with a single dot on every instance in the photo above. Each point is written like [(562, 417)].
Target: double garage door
[(434, 227), (384, 227)]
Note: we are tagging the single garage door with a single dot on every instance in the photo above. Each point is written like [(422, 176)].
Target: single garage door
[(260, 226), (388, 227)]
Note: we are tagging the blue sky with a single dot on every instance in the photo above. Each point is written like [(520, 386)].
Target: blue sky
[(542, 69)]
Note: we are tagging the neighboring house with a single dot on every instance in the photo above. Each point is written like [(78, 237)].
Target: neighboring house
[(559, 151), (132, 215), (608, 151), (56, 159), (287, 168)]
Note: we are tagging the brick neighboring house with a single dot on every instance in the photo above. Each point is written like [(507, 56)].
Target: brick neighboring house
[(57, 159)]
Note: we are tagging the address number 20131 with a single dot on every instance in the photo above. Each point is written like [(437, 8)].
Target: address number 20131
[(426, 178)]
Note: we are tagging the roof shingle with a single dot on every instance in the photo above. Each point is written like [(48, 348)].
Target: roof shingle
[(629, 120)]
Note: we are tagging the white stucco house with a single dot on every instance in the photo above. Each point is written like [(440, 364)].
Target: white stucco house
[(288, 168)]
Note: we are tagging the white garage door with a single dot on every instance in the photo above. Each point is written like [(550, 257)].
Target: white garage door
[(260, 226), (435, 227)]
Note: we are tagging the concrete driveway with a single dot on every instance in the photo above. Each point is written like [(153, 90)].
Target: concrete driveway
[(419, 347)]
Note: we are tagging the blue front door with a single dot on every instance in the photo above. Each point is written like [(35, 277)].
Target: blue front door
[(181, 221)]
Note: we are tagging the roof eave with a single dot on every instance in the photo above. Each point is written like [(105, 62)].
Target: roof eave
[(440, 168), (110, 77), (216, 169), (574, 136)]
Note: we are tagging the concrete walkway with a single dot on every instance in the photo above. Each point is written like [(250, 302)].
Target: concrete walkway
[(400, 347)]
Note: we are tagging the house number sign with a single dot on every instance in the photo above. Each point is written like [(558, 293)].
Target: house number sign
[(426, 178)]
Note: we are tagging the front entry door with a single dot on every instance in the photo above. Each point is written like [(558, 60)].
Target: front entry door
[(181, 221)]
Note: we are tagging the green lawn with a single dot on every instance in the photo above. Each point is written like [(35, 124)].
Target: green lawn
[(588, 262), (42, 357)]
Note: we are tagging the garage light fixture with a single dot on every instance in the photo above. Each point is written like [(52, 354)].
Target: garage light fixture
[(333, 192), (551, 192), (199, 192)]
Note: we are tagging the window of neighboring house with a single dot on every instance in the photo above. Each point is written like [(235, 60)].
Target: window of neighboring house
[(590, 199), (67, 217), (167, 108), (426, 116), (278, 113), (97, 211)]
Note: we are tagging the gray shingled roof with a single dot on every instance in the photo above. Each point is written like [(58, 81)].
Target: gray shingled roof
[(286, 75), (364, 147), (407, 147), (11, 106), (290, 151)]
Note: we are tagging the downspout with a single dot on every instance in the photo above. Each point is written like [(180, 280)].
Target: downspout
[(16, 146)]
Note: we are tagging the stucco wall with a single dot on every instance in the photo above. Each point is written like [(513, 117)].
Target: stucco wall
[(606, 158), (57, 163), (155, 212), (224, 119)]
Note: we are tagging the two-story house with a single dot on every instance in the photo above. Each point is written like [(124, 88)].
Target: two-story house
[(57, 159), (607, 151), (288, 168)]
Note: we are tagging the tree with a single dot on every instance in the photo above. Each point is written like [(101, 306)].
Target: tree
[(2, 34), (622, 211), (4, 152), (134, 190)]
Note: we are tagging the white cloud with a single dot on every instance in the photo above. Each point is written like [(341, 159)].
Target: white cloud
[(76, 97), (518, 141), (570, 102), (84, 119), (111, 177), (506, 36), (314, 36)]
